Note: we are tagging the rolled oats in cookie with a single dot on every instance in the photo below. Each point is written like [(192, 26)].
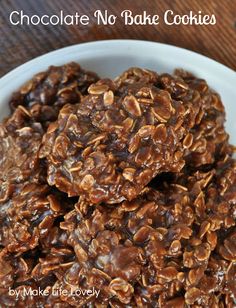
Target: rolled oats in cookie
[(111, 145), (34, 271), (135, 75), (33, 107), (20, 140), (29, 215), (209, 140), (48, 91)]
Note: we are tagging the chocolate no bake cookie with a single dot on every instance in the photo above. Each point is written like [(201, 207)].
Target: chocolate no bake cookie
[(109, 147), (48, 91), (20, 140)]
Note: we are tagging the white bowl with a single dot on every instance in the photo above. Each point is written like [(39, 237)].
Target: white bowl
[(109, 58)]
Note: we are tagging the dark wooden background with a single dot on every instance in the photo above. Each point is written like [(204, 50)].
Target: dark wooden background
[(19, 44)]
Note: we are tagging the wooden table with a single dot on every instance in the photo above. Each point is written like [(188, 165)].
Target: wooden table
[(19, 44)]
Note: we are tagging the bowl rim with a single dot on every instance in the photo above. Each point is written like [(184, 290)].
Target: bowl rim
[(5, 79)]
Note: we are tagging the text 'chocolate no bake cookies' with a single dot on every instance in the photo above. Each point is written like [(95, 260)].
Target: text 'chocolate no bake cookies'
[(116, 193)]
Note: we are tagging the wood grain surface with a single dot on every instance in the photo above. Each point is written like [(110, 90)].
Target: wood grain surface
[(19, 44)]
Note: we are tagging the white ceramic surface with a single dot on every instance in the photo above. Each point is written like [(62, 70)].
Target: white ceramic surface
[(110, 58)]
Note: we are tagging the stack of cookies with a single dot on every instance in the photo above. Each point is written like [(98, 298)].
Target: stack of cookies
[(116, 193)]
